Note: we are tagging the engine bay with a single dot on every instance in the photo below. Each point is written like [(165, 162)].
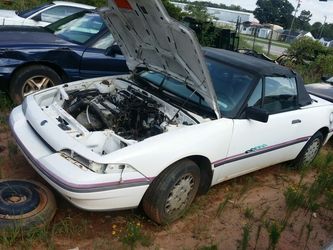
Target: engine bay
[(130, 113)]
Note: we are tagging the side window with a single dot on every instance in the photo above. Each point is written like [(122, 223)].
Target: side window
[(104, 42), (280, 95), (54, 14)]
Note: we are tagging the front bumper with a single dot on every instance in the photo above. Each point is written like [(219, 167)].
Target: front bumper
[(83, 188)]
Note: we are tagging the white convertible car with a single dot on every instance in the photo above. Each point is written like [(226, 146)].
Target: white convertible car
[(184, 119), (42, 15)]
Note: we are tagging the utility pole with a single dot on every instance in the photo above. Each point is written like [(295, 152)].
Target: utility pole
[(292, 22), (322, 27)]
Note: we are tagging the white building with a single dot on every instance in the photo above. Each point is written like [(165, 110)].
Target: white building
[(326, 42), (224, 16)]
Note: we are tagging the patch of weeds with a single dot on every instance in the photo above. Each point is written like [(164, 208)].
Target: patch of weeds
[(222, 205), (244, 244), (10, 236), (274, 229), (5, 103), (210, 247), (132, 235), (257, 235), (41, 234), (323, 160), (25, 238), (294, 198), (248, 213), (69, 228)]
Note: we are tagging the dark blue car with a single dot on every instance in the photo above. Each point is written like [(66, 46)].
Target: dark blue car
[(74, 48)]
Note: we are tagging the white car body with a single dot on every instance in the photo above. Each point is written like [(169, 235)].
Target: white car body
[(102, 170), (43, 16)]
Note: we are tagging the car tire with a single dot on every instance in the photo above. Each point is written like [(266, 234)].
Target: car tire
[(172, 192), (310, 151), (25, 204), (31, 79)]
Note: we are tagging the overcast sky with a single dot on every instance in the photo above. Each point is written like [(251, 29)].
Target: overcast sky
[(318, 9)]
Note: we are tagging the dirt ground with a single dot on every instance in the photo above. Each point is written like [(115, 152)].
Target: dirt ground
[(237, 214)]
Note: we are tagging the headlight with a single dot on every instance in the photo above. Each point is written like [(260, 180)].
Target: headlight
[(121, 173)]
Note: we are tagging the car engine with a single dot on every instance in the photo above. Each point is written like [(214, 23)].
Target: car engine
[(128, 112)]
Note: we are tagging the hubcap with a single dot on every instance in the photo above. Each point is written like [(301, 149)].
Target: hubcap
[(36, 83), (14, 199), (311, 152), (179, 194)]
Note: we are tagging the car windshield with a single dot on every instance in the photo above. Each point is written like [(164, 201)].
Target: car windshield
[(231, 85), (78, 28), (29, 12)]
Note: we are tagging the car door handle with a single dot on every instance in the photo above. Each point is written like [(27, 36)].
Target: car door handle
[(296, 121)]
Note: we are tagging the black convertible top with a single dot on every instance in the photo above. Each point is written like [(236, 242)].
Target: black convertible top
[(259, 67), (249, 63)]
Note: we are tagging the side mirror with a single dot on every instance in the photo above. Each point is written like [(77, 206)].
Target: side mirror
[(113, 50), (257, 114)]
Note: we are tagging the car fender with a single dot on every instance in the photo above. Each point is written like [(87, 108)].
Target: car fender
[(153, 155)]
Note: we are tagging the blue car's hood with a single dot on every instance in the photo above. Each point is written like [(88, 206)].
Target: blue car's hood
[(25, 36)]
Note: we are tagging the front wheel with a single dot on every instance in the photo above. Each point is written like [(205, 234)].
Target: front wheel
[(310, 150), (172, 192), (31, 79)]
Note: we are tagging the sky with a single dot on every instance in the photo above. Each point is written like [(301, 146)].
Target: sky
[(318, 9)]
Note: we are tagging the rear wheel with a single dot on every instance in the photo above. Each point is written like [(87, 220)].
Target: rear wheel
[(172, 192), (31, 79), (310, 150)]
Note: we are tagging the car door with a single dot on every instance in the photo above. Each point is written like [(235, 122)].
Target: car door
[(96, 60), (256, 144)]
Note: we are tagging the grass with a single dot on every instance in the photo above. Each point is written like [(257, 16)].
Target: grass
[(266, 41), (132, 235), (244, 244), (27, 238), (248, 213), (5, 103), (275, 230), (223, 205)]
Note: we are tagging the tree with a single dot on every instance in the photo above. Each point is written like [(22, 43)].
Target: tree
[(199, 13), (173, 11), (315, 28), (274, 11), (302, 21)]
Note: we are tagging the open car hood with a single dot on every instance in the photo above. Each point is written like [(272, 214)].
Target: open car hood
[(149, 37)]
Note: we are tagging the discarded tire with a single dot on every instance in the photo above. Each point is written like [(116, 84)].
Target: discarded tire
[(25, 204)]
